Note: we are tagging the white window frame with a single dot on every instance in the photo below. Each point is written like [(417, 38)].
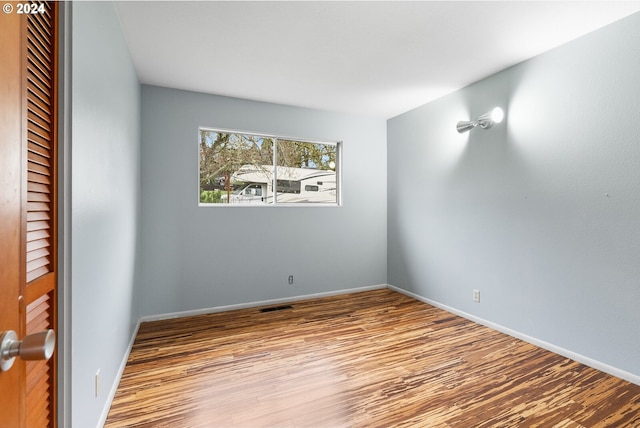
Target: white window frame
[(338, 169)]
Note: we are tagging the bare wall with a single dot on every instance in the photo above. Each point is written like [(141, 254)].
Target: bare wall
[(540, 213), (105, 207)]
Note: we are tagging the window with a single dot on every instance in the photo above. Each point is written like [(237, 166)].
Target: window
[(251, 169)]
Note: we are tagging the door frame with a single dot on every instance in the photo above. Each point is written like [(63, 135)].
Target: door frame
[(64, 215)]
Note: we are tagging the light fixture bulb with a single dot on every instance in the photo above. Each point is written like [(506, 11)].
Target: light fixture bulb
[(497, 115), (484, 121)]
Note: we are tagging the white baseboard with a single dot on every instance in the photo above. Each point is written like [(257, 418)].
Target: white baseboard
[(258, 303), (630, 377), (116, 382), (598, 365)]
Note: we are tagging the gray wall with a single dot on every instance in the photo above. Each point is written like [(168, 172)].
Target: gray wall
[(542, 212), (105, 164), (196, 258)]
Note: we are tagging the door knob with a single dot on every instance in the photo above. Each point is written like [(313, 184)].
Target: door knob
[(36, 346)]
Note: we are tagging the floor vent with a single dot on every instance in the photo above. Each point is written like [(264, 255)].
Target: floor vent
[(276, 308)]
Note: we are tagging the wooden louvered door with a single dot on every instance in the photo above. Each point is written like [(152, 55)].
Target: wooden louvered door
[(28, 191)]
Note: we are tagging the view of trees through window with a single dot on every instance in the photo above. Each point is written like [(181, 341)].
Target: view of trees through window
[(239, 168)]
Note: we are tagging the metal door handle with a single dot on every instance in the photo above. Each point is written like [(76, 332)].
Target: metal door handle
[(36, 346)]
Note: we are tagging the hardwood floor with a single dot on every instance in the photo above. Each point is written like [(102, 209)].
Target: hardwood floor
[(371, 359)]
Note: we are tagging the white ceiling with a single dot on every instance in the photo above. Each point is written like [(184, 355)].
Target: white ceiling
[(378, 58)]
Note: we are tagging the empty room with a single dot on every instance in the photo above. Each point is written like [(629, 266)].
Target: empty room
[(320, 214)]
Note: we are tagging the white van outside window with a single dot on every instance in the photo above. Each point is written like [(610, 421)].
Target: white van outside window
[(240, 169)]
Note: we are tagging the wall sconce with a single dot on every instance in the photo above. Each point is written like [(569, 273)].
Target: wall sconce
[(484, 121)]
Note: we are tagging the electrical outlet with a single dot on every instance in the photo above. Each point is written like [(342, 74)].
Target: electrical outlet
[(476, 296), (97, 383), (290, 279)]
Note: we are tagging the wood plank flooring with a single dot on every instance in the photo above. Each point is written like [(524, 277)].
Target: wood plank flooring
[(371, 359)]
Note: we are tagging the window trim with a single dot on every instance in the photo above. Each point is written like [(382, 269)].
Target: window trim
[(338, 169)]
